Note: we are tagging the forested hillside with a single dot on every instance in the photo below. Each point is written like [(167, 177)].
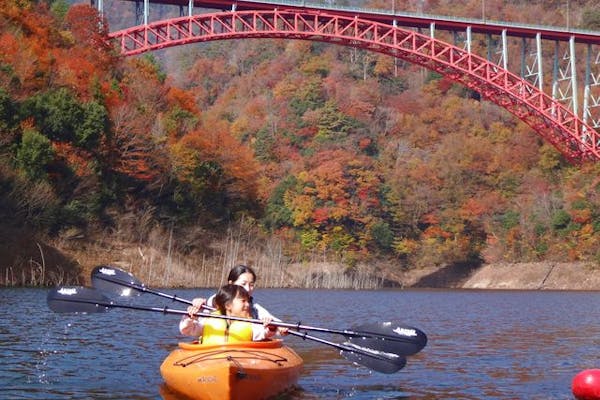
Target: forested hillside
[(337, 153)]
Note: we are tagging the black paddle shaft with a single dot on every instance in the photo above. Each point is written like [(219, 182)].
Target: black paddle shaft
[(105, 278), (374, 359), (389, 336), (89, 300)]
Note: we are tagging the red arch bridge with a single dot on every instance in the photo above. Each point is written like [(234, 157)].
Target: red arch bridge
[(450, 46)]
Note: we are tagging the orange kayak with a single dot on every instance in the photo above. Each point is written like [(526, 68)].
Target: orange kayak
[(233, 371)]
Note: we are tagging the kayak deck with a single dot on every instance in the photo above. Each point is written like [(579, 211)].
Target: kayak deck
[(233, 371)]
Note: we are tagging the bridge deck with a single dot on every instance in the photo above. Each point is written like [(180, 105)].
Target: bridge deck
[(407, 19)]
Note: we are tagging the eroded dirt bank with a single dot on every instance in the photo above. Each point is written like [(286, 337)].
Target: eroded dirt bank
[(557, 276), (510, 276), (518, 276)]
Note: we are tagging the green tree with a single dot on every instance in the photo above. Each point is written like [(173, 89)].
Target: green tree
[(382, 235), (264, 145), (8, 112), (33, 154), (510, 219), (309, 238), (60, 117), (334, 125), (561, 220), (277, 214), (59, 8), (308, 97), (56, 113), (93, 125)]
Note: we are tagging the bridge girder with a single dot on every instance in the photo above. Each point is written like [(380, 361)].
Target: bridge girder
[(552, 120)]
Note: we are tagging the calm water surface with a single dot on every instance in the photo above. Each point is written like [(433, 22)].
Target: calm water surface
[(482, 344)]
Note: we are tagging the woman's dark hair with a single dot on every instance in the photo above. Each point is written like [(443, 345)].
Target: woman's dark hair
[(238, 270), (227, 293)]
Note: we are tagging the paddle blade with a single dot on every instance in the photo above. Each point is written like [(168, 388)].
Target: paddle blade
[(114, 280), (372, 359), (388, 337), (76, 299)]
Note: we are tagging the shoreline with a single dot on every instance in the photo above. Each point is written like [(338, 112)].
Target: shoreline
[(511, 276), (28, 261), (572, 276), (536, 276)]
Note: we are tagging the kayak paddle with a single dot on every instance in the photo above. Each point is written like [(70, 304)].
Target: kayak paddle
[(376, 360), (389, 337), (115, 280), (79, 299)]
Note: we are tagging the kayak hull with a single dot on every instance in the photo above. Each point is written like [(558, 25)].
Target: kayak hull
[(233, 371)]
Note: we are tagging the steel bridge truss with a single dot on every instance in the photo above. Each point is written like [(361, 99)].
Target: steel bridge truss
[(553, 116)]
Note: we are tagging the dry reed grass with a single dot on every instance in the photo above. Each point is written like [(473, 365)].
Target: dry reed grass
[(170, 268), (164, 259), (33, 263)]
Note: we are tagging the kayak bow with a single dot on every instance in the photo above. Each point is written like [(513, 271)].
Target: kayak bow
[(232, 371)]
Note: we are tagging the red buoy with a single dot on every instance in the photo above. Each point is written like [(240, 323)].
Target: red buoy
[(586, 385)]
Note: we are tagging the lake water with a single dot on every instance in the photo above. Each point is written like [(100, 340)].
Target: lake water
[(482, 344)]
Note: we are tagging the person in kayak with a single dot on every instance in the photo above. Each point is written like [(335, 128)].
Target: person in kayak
[(244, 276), (234, 301)]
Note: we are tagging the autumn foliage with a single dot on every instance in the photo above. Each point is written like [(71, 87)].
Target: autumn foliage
[(337, 151)]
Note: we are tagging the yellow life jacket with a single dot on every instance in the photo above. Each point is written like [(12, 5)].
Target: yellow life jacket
[(219, 331)]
